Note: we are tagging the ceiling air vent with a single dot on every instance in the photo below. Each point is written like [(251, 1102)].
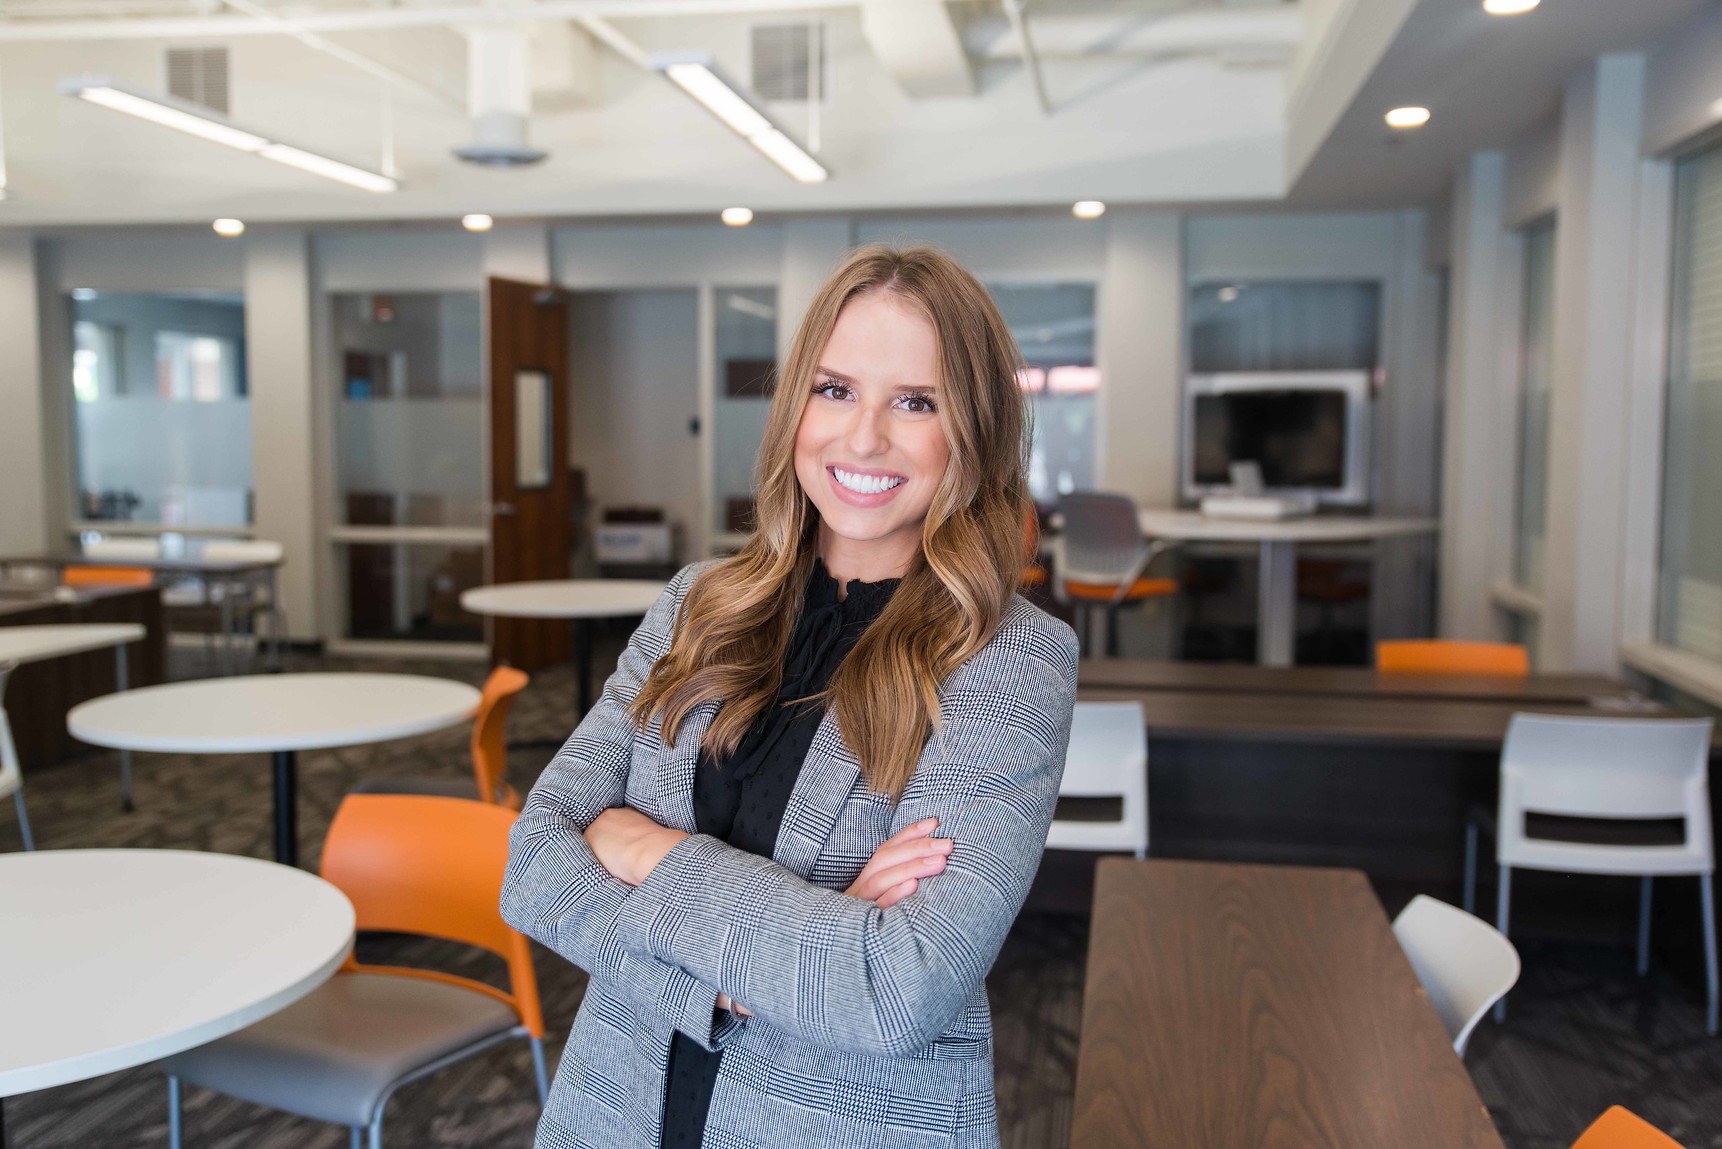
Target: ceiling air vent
[(198, 76), (780, 61)]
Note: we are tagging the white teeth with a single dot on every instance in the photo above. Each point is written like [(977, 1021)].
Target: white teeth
[(865, 484)]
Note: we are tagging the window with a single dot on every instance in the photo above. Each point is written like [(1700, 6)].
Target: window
[(162, 423), (1689, 582), (1536, 353), (1054, 327), (1284, 326), (744, 321)]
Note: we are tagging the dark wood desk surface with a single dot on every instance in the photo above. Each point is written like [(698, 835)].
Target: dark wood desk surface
[(1336, 681), (161, 566), (1259, 1007)]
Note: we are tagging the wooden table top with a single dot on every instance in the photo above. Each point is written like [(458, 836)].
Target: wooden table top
[(1259, 1007), (1576, 689)]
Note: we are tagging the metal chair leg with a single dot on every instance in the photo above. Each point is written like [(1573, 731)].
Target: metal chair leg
[(173, 1130), (375, 1140), (538, 1073), (358, 1137), (1503, 903), (1644, 925), (23, 818), (1706, 887), (1469, 901)]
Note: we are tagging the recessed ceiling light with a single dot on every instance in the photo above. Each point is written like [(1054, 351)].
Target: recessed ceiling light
[(737, 216), (477, 221), (1509, 7), (1087, 209), (229, 228), (1411, 117), (1227, 294)]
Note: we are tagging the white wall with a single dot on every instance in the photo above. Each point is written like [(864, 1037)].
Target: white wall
[(1533, 175), (25, 523)]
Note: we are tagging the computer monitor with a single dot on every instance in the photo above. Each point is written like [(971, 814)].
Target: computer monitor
[(1307, 432)]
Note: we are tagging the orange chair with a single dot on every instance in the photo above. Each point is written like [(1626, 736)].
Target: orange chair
[(107, 576), (1438, 656), (414, 865), (1101, 559), (1033, 574), (489, 750), (1622, 1129)]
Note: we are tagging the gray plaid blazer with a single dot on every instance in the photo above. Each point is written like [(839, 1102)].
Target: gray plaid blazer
[(870, 1027)]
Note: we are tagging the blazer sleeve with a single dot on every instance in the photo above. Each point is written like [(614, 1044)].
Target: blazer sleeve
[(839, 972), (556, 891)]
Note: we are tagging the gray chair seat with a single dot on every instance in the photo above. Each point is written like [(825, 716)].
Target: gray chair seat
[(335, 1054), (426, 787)]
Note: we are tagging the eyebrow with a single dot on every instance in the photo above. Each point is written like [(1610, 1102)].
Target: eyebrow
[(839, 377)]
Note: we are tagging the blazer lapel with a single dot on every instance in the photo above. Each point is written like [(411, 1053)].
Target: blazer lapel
[(676, 770), (827, 777)]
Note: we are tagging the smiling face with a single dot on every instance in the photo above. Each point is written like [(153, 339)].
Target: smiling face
[(870, 449)]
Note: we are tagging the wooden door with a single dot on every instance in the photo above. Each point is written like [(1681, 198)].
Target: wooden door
[(530, 499)]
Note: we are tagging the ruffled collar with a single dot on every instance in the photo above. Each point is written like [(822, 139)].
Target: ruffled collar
[(864, 602)]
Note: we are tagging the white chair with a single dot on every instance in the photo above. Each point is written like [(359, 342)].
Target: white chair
[(250, 594), (1100, 559), (123, 549), (1108, 758), (11, 777), (1621, 770), (1464, 963)]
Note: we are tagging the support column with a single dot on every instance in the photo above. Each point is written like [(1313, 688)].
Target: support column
[(29, 522), (1140, 320)]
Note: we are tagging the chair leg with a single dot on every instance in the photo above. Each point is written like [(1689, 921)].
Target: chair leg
[(375, 1139), (1706, 887), (1503, 904), (539, 1074), (1112, 632), (23, 818), (358, 1137), (1469, 900), (1644, 925), (173, 1130)]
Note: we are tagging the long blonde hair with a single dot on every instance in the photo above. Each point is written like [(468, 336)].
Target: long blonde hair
[(738, 616)]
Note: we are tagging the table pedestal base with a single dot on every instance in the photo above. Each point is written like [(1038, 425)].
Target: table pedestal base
[(1276, 604), (286, 808)]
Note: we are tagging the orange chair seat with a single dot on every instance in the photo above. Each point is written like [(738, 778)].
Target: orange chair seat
[(107, 576), (1437, 656), (1103, 592), (1622, 1129), (1032, 575)]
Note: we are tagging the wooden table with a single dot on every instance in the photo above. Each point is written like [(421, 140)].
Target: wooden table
[(1344, 681), (1254, 1007)]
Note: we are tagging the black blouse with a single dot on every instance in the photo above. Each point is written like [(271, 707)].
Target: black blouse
[(742, 800)]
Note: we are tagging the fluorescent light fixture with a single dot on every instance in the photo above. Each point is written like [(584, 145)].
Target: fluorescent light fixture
[(477, 221), (696, 76), (1509, 7), (1087, 209), (229, 228), (195, 121), (736, 216), (1410, 117)]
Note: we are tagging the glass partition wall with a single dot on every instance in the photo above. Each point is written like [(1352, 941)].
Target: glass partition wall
[(744, 338), (1053, 324), (409, 464)]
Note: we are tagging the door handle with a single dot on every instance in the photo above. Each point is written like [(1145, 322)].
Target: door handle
[(502, 508)]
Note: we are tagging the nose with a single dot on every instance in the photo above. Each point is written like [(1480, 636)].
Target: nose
[(867, 431)]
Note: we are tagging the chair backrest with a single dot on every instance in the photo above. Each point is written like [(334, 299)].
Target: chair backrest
[(123, 549), (1108, 757), (1463, 962), (11, 777), (1622, 1129), (1101, 540), (1440, 656), (107, 576), (432, 866), (490, 735), (242, 551), (1604, 767)]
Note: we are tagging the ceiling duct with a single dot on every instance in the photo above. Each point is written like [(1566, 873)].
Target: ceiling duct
[(499, 97)]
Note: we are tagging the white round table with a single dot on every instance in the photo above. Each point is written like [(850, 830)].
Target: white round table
[(1277, 541), (579, 599), (23, 644), (113, 958), (277, 714)]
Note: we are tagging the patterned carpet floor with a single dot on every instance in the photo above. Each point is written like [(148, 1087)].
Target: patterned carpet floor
[(1584, 1032)]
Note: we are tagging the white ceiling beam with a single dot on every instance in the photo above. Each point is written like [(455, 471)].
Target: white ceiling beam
[(918, 43), (363, 63), (353, 20), (1196, 32)]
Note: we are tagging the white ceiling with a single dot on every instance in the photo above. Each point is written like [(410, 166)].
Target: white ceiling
[(1485, 79)]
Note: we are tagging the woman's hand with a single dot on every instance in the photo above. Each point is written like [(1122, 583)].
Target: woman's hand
[(896, 868), (629, 844)]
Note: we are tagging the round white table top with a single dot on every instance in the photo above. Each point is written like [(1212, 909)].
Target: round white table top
[(113, 958), (1193, 525), (35, 643), (565, 598), (262, 713)]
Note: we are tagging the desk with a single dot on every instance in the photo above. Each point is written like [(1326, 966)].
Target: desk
[(114, 958), (1236, 1007), (1345, 681), (276, 714), (1277, 543), (22, 644), (578, 599)]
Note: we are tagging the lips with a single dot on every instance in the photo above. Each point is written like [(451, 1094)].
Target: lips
[(864, 488)]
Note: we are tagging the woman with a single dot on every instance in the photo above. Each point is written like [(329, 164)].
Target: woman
[(790, 838)]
